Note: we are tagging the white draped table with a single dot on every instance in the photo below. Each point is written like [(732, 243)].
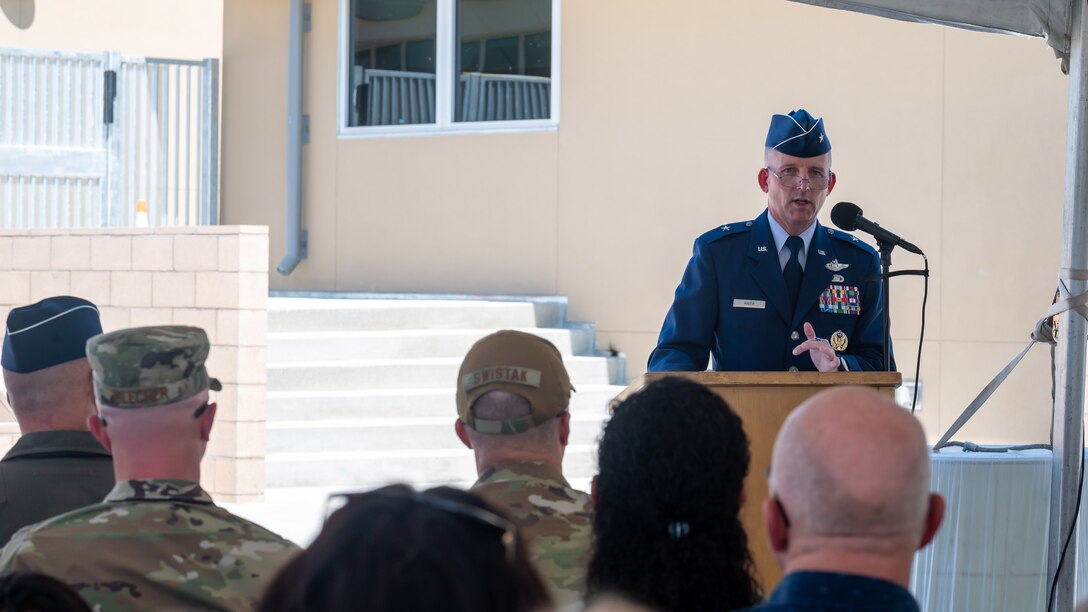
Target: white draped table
[(990, 553)]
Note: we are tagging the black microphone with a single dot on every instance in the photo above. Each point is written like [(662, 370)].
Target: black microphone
[(847, 216)]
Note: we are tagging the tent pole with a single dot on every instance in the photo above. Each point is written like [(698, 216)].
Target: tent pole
[(1073, 329)]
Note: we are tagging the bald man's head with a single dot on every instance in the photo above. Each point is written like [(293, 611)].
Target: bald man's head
[(850, 463)]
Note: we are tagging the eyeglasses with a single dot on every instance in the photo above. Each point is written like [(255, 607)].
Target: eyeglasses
[(792, 180), (508, 538)]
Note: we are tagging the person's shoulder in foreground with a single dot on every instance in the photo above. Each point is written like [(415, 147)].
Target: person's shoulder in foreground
[(836, 592), (557, 517), (153, 544)]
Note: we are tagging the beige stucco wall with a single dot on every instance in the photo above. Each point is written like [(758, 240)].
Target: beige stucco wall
[(175, 29), (954, 139)]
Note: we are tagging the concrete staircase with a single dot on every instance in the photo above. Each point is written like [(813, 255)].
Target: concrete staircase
[(361, 391)]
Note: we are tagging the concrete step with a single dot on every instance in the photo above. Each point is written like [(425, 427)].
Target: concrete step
[(332, 436), (403, 403), (422, 373), (297, 513), (365, 469), (310, 314), (390, 344)]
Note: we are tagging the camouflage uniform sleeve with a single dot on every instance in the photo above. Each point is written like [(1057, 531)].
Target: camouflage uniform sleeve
[(18, 551)]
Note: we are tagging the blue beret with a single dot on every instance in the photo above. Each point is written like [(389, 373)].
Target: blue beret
[(49, 333), (798, 134)]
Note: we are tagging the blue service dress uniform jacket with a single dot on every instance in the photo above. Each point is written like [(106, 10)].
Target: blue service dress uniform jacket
[(732, 304)]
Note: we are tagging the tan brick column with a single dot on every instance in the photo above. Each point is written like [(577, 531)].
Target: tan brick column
[(213, 277)]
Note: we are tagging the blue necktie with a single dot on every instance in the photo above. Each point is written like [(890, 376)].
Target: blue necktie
[(793, 272)]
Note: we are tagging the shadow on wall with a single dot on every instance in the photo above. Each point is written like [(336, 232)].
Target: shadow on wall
[(19, 12)]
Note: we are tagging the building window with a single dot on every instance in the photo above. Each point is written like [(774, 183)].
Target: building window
[(437, 65)]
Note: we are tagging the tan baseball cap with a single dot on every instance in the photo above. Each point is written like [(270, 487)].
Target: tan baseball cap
[(518, 363)]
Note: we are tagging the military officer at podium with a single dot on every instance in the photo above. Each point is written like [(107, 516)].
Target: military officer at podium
[(780, 292)]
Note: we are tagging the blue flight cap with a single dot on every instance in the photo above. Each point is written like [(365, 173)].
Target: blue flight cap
[(798, 134), (49, 333)]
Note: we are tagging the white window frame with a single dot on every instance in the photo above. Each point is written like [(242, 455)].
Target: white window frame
[(445, 55)]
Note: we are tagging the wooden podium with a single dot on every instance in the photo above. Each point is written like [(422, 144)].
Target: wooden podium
[(763, 400)]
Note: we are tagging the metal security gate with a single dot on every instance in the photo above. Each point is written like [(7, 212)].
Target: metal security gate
[(84, 138)]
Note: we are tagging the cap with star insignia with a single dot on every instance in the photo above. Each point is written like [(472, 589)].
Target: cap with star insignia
[(799, 134)]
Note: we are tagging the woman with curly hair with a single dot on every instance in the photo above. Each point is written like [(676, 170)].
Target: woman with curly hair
[(672, 462)]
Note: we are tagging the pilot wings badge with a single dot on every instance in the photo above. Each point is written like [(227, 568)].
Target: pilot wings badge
[(835, 266)]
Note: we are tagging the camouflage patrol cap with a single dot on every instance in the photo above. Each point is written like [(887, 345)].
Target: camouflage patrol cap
[(518, 363), (150, 366)]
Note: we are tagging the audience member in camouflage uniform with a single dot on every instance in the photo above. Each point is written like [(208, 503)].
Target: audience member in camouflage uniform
[(56, 465), (158, 541), (512, 398)]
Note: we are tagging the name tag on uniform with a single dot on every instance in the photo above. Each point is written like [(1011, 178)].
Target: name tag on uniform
[(749, 304)]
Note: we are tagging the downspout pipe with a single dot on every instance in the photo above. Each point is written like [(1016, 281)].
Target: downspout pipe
[(293, 228)]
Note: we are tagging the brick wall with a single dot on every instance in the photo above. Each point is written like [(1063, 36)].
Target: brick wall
[(212, 277)]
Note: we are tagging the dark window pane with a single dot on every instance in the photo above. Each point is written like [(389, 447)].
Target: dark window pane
[(392, 76), (514, 80), (419, 56), (538, 54), (362, 58), (470, 56), (501, 56), (388, 57)]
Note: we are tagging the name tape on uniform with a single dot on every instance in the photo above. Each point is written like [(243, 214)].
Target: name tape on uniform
[(749, 304)]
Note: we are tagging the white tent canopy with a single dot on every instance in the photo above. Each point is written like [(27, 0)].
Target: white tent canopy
[(1062, 23), (1049, 19)]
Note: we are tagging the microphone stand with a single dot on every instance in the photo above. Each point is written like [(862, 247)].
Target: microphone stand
[(885, 249)]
